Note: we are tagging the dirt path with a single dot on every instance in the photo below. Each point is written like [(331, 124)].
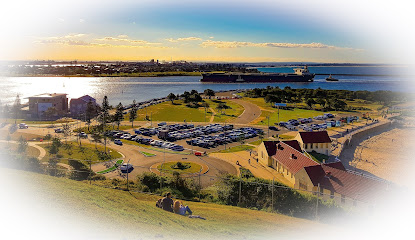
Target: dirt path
[(250, 113)]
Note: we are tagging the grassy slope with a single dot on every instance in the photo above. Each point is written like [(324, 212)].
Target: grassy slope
[(138, 217)]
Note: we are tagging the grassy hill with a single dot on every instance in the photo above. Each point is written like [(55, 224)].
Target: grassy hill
[(134, 215)]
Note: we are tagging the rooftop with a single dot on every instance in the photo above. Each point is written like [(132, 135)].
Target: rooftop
[(345, 183), (292, 158), (315, 137), (271, 146), (48, 95)]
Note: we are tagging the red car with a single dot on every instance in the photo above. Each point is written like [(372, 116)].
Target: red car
[(198, 153)]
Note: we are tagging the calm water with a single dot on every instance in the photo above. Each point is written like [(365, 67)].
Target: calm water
[(126, 89)]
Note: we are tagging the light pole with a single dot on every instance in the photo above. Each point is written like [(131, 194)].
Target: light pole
[(127, 174), (268, 125)]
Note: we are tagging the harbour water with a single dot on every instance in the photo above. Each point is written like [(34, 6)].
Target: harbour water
[(125, 89)]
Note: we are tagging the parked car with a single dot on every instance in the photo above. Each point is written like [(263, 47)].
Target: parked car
[(126, 168), (59, 130), (273, 128), (23, 125), (83, 135), (118, 142)]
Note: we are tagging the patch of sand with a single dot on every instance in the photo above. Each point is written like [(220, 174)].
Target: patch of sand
[(387, 155)]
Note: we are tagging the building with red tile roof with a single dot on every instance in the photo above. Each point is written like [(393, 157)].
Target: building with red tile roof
[(288, 161), (314, 141), (334, 182), (268, 148)]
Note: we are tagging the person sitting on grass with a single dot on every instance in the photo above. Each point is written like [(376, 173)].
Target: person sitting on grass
[(179, 208), (167, 203)]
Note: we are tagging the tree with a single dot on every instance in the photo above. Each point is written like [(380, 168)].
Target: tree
[(310, 102), (16, 108), (90, 112), (119, 114), (339, 105), (81, 171), (104, 117), (209, 92), (34, 165), (50, 112), (171, 97), (22, 147), (133, 113)]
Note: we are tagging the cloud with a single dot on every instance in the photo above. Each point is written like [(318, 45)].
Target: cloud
[(122, 41), (236, 44), (184, 39), (125, 39), (81, 20)]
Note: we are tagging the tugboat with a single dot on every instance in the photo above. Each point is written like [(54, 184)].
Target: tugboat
[(332, 79)]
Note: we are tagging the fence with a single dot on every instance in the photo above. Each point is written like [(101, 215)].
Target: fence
[(243, 191)]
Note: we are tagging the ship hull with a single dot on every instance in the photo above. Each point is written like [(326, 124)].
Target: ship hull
[(260, 78)]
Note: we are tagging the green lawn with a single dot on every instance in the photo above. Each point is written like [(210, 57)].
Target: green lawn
[(86, 151), (167, 167), (259, 141), (228, 114), (107, 209), (318, 157), (147, 154), (284, 115), (10, 120), (167, 111), (178, 112), (108, 128), (237, 149)]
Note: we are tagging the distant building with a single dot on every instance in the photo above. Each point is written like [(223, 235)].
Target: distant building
[(40, 103), (314, 141), (78, 106)]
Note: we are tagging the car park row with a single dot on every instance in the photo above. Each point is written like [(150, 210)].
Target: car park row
[(200, 135)]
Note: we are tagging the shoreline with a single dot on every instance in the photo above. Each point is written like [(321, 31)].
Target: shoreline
[(141, 74)]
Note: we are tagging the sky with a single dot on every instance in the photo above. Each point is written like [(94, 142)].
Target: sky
[(230, 31)]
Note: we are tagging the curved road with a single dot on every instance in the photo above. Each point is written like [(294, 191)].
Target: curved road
[(250, 113)]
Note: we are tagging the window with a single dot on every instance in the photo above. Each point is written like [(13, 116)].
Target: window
[(305, 146), (327, 145), (262, 154), (316, 145), (302, 185), (331, 194)]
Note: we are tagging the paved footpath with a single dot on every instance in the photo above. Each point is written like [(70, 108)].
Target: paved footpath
[(250, 113)]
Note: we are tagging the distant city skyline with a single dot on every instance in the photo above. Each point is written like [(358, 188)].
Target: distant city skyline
[(182, 30)]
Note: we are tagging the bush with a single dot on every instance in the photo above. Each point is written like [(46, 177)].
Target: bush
[(98, 177)]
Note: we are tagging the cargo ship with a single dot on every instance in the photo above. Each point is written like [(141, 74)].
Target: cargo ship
[(299, 75)]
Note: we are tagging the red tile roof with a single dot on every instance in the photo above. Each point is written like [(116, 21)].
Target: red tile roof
[(291, 158), (315, 137), (271, 146), (345, 183)]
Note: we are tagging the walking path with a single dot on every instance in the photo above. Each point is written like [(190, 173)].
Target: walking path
[(42, 151), (250, 113)]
